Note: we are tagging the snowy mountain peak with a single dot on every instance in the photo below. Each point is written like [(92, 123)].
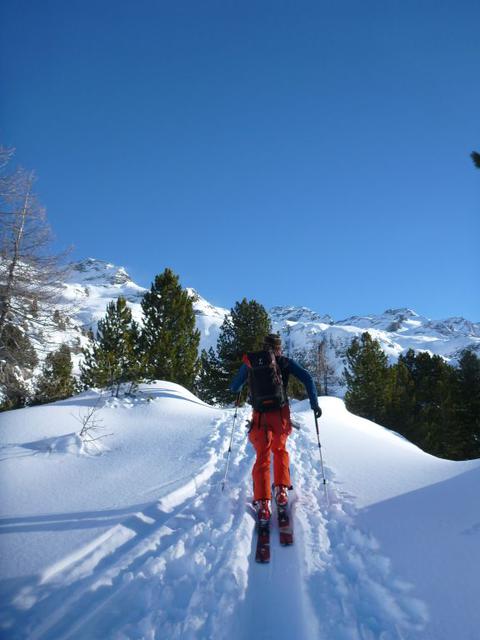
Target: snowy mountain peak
[(205, 308), (403, 312), (98, 272), (456, 326), (285, 314)]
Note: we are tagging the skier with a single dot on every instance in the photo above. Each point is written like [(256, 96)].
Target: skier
[(267, 373)]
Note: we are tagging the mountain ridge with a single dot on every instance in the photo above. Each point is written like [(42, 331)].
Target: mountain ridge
[(93, 283)]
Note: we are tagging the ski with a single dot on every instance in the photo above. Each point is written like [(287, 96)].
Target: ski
[(263, 542), (285, 526)]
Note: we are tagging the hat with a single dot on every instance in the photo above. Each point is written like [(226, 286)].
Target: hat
[(273, 341)]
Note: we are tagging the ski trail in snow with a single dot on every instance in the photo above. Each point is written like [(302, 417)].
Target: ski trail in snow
[(276, 606), (191, 588), (176, 569), (184, 567), (351, 585)]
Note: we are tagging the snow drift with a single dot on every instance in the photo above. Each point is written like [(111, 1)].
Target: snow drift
[(132, 537)]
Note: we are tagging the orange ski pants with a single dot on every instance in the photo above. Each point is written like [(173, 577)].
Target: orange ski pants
[(268, 435)]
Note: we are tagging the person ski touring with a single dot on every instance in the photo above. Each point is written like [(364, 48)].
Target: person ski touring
[(267, 373)]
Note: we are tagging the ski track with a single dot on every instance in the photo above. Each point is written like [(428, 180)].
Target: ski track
[(184, 567), (351, 585)]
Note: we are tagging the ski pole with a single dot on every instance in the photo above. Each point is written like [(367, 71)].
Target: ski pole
[(237, 402), (324, 480)]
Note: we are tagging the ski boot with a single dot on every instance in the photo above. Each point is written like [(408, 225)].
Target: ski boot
[(262, 508), (281, 495)]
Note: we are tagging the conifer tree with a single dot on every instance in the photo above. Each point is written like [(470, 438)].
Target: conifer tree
[(368, 379), (295, 388), (56, 381), (169, 339), (466, 413), (433, 386), (400, 412), (112, 358), (212, 379), (243, 330)]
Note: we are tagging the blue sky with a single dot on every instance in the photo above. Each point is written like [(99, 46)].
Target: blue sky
[(308, 153)]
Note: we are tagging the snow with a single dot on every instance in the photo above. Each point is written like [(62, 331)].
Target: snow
[(132, 537)]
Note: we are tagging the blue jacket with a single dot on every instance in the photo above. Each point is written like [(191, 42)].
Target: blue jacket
[(294, 368)]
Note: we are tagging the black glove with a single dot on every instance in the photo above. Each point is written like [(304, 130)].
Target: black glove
[(317, 411)]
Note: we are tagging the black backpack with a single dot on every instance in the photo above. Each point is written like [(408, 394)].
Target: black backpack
[(267, 391)]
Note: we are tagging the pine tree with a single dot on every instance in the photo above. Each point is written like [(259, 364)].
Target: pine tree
[(400, 411), (212, 379), (475, 156), (112, 358), (368, 379), (295, 389), (433, 383), (169, 338), (243, 330), (56, 381), (466, 412)]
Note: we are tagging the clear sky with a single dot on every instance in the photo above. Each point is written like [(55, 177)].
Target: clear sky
[(305, 153)]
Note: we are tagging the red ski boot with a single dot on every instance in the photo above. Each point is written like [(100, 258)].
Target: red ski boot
[(281, 495), (263, 511)]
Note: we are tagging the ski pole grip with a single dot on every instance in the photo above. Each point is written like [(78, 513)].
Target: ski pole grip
[(316, 424)]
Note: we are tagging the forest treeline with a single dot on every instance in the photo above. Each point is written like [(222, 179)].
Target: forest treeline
[(432, 403)]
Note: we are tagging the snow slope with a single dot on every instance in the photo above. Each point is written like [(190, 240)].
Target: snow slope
[(137, 540)]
